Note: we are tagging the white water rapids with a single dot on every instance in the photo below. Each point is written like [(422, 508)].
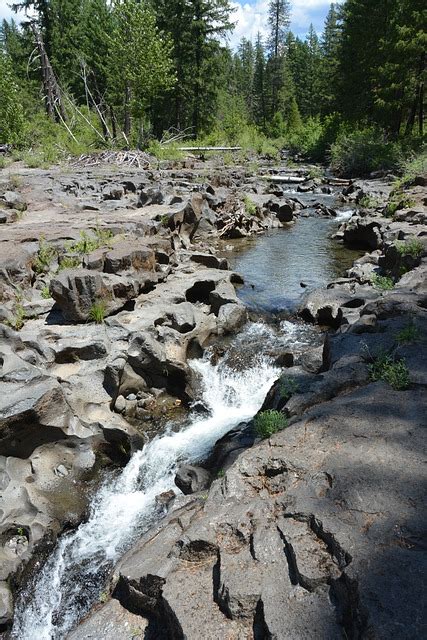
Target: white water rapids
[(73, 577)]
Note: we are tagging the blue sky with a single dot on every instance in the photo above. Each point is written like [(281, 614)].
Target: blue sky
[(251, 16)]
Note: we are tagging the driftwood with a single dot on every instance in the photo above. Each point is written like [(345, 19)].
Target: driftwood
[(137, 159)]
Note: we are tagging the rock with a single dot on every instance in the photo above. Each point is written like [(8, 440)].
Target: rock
[(6, 604), (36, 413), (224, 293), (210, 261), (182, 318), (231, 317), (120, 404), (191, 479), (15, 266), (76, 291), (113, 192), (14, 201), (111, 620), (363, 233), (285, 213), (150, 196)]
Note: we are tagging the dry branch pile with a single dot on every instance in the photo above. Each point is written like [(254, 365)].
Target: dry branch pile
[(137, 159)]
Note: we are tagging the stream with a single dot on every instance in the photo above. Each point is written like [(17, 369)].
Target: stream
[(232, 390)]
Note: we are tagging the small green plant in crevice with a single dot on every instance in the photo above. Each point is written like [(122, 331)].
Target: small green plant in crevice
[(69, 262), (18, 319), (250, 206), (395, 372), (288, 386), (269, 422), (97, 312), (409, 333), (412, 247), (164, 220), (369, 202), (15, 181), (220, 474), (88, 243), (383, 283), (45, 292), (45, 255), (103, 597)]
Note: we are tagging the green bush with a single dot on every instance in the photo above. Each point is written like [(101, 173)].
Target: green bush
[(394, 372), (18, 319), (45, 255), (360, 152), (69, 262), (412, 247), (269, 422), (384, 283), (250, 206)]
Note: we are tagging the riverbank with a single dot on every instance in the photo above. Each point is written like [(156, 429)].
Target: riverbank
[(169, 296), (317, 531)]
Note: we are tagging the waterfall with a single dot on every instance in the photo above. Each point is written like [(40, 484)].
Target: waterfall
[(73, 577)]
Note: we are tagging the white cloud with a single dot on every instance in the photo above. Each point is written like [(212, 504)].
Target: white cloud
[(252, 17)]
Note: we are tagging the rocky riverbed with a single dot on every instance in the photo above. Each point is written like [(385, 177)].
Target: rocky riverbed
[(111, 283)]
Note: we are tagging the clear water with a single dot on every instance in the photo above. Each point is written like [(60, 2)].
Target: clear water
[(73, 577), (276, 265)]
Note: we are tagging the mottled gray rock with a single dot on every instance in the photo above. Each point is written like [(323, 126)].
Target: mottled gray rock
[(231, 317), (6, 604), (191, 479), (14, 201)]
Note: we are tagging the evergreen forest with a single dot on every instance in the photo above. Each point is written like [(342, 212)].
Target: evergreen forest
[(81, 75)]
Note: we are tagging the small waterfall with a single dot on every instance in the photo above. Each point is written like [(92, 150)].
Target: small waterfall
[(73, 577)]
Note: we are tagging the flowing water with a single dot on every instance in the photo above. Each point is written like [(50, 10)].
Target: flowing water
[(233, 390), (73, 577)]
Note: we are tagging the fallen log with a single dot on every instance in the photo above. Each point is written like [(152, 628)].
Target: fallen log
[(284, 179), (209, 148)]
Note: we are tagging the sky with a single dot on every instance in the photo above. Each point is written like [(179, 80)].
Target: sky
[(251, 17)]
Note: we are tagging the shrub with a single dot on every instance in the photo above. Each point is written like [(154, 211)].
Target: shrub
[(384, 283), (394, 372), (269, 422), (363, 151), (45, 255), (69, 262), (18, 319), (411, 247), (369, 202), (408, 334), (97, 312), (250, 206), (87, 243), (45, 293)]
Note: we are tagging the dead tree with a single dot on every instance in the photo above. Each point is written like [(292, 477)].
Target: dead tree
[(51, 91)]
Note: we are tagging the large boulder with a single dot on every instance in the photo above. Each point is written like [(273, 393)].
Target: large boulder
[(77, 291), (363, 233), (191, 479)]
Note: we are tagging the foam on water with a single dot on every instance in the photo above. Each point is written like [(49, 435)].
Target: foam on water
[(73, 576)]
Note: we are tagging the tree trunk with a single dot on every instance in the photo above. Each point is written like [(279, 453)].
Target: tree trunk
[(127, 117)]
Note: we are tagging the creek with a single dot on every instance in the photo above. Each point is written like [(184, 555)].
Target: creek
[(232, 391)]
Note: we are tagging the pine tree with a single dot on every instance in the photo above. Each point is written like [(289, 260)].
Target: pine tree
[(278, 21), (139, 63), (259, 85), (330, 60), (11, 112)]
